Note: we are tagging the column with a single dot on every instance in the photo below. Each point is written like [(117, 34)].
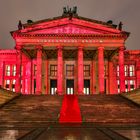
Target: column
[(59, 71), (23, 78), (101, 69), (46, 76), (39, 70), (28, 78), (18, 70), (112, 82), (121, 69), (1, 74), (80, 71)]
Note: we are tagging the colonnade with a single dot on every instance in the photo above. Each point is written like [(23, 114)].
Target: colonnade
[(80, 70)]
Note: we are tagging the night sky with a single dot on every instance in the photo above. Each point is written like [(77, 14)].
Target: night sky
[(127, 11)]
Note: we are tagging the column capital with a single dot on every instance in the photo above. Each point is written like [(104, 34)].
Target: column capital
[(18, 47), (80, 47), (101, 48), (59, 47), (39, 47), (121, 48)]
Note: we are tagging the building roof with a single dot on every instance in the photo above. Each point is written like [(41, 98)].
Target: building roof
[(69, 23), (77, 17)]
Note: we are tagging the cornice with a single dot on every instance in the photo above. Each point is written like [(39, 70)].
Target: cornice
[(8, 52), (71, 35)]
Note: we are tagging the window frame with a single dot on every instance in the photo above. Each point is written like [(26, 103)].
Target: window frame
[(53, 70), (14, 70), (69, 69), (7, 71), (131, 71), (87, 70)]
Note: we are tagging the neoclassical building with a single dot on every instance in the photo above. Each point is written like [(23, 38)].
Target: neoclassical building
[(69, 54)]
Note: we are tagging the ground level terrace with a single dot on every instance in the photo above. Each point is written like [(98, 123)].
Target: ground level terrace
[(69, 70)]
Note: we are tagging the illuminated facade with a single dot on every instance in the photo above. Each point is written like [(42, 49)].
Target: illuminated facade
[(69, 55)]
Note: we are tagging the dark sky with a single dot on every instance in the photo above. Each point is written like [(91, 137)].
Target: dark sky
[(127, 11)]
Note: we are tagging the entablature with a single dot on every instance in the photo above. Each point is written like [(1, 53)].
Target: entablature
[(73, 40)]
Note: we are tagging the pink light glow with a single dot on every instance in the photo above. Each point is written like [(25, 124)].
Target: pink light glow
[(68, 26)]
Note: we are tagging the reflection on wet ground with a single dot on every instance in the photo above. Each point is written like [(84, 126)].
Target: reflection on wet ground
[(71, 132), (37, 118), (11, 134)]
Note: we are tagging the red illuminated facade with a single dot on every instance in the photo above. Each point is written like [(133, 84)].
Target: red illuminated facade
[(69, 55)]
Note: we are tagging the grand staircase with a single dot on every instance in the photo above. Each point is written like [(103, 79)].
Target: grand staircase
[(31, 110), (108, 109), (6, 96), (133, 96), (43, 109)]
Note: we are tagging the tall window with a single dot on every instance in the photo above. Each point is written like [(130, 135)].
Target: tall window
[(13, 85), (132, 83), (132, 70), (7, 84), (14, 70), (118, 83), (118, 74), (21, 70), (69, 70), (126, 70), (105, 70), (7, 70), (86, 70), (53, 70), (126, 85)]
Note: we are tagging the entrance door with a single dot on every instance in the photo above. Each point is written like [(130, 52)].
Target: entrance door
[(86, 87), (105, 85), (70, 87), (53, 86), (34, 85)]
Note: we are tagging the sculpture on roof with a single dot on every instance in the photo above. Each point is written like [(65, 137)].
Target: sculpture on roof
[(69, 11), (19, 25), (120, 26)]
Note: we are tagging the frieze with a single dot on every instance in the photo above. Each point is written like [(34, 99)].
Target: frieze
[(84, 41)]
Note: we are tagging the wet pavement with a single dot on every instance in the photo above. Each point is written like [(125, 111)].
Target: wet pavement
[(71, 132), (37, 118)]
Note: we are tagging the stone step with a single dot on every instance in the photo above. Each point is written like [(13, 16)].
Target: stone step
[(94, 108), (108, 109)]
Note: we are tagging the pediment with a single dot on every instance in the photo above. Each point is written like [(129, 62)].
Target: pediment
[(68, 29), (66, 26)]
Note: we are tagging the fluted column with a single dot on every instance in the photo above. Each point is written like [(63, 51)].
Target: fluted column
[(18, 69), (121, 69), (59, 70), (80, 71), (101, 69), (39, 70)]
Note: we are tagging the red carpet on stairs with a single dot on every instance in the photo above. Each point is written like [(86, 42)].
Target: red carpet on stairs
[(70, 111)]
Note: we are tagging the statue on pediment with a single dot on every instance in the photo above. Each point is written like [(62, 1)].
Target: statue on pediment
[(19, 25), (120, 26), (69, 11)]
